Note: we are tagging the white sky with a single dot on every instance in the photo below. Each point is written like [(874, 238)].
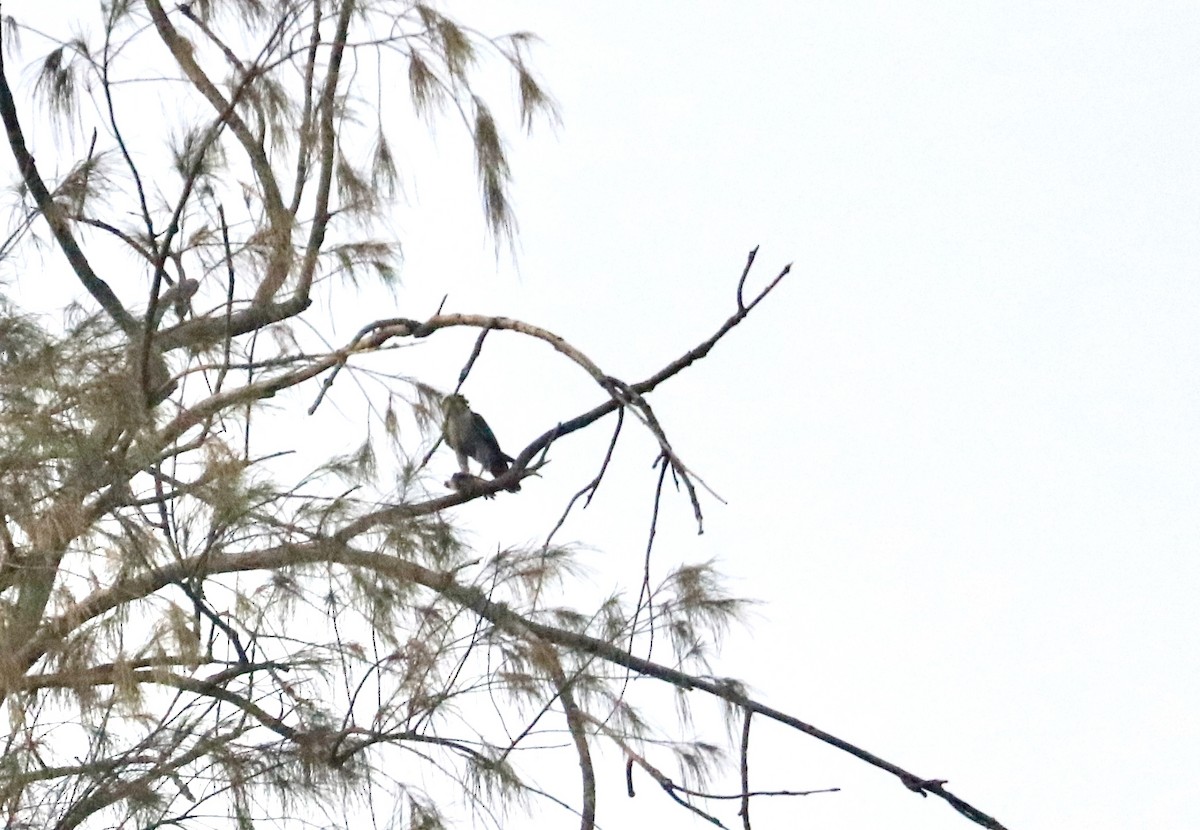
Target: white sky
[(960, 443)]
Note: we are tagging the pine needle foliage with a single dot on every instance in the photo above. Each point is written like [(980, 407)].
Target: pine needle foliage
[(200, 616), (184, 630)]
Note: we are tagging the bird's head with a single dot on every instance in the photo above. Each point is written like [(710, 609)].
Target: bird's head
[(453, 405)]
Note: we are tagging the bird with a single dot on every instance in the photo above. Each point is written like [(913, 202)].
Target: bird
[(176, 297), (470, 437)]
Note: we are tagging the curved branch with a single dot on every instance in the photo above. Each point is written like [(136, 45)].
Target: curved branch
[(157, 672), (373, 336), (205, 331), (669, 787), (108, 796)]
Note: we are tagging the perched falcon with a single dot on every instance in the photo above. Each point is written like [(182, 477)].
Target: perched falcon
[(470, 437)]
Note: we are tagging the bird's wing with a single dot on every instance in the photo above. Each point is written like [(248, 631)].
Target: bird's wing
[(485, 432)]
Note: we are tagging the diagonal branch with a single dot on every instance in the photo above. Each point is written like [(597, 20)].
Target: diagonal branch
[(280, 260), (575, 725), (497, 613), (95, 286), (328, 150), (621, 395)]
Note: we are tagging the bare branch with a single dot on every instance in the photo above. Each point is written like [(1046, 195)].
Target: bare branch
[(279, 218), (321, 215), (575, 724), (95, 286), (744, 766)]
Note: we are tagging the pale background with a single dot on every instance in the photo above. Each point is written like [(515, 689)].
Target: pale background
[(959, 444)]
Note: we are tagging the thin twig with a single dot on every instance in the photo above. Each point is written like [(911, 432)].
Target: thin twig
[(745, 273), (475, 352), (592, 486), (230, 280), (744, 769)]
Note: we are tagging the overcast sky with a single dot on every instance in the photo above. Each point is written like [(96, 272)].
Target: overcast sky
[(960, 444)]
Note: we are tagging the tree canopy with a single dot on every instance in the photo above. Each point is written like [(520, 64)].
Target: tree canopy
[(194, 626)]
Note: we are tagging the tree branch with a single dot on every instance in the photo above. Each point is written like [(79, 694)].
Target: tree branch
[(95, 286), (280, 261), (575, 725), (499, 614), (321, 214)]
